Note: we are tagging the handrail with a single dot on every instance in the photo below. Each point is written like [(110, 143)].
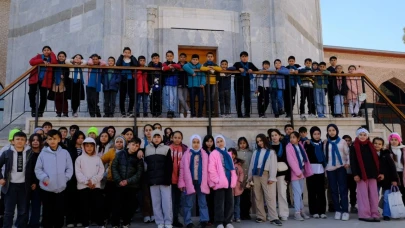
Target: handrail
[(12, 84)]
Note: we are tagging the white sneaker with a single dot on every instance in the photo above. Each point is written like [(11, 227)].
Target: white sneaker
[(345, 216), (284, 218), (168, 226), (220, 226), (305, 216), (302, 116), (181, 115), (323, 216), (312, 116), (75, 114), (79, 225), (70, 225), (146, 219), (161, 226), (338, 215), (229, 116), (222, 116), (315, 216), (229, 225), (298, 217), (188, 114)]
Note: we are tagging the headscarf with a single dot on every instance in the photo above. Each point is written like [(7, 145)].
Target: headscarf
[(320, 155), (196, 153), (335, 149), (228, 162)]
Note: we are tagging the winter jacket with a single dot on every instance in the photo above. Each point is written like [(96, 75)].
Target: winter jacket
[(240, 184), (186, 177), (113, 83), (294, 79), (308, 80), (194, 81), (142, 85), (94, 75), (155, 77), (339, 86), (246, 156), (388, 169), (212, 76), (159, 164), (177, 157), (224, 80), (277, 81), (127, 167), (62, 75), (217, 178), (88, 167), (344, 154), (294, 165), (32, 161), (72, 183), (108, 158), (183, 78), (260, 81), (34, 76), (55, 167), (127, 74), (171, 76), (251, 66)]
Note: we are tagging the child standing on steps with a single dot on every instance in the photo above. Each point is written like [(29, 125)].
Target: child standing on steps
[(171, 80), (245, 154), (142, 88), (76, 92), (111, 82), (93, 86), (156, 84), (59, 87), (182, 89)]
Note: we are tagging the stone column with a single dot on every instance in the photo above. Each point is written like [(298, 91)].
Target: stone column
[(151, 21), (245, 21)]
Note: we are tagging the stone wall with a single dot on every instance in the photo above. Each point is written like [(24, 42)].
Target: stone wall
[(4, 21)]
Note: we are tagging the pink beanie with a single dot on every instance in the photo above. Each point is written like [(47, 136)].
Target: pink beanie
[(395, 135)]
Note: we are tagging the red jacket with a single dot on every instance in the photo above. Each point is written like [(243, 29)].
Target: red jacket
[(47, 81), (142, 85)]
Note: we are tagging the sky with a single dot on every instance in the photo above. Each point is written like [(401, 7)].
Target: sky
[(369, 24)]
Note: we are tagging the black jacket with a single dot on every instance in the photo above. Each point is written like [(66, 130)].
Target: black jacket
[(72, 183), (368, 162), (238, 65), (389, 171), (159, 164), (183, 78), (128, 167), (282, 158)]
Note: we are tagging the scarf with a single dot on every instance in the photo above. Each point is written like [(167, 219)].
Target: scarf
[(146, 142), (335, 151), (280, 149), (193, 154), (266, 156), (245, 67), (303, 154), (76, 72), (42, 70), (303, 139), (58, 73), (228, 163), (320, 155), (359, 157)]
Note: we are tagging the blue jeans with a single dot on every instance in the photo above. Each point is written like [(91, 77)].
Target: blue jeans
[(277, 102), (320, 101), (170, 97), (298, 189), (338, 186), (35, 206), (338, 99), (236, 207), (15, 195), (202, 204), (386, 207), (196, 91), (144, 97)]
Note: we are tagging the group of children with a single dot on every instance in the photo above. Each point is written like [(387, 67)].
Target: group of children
[(104, 177), (173, 82)]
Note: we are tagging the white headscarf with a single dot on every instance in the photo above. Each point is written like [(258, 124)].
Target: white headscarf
[(195, 136), (222, 137)]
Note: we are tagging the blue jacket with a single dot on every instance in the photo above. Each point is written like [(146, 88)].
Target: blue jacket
[(294, 79), (94, 79), (112, 84), (54, 166), (279, 78), (194, 81)]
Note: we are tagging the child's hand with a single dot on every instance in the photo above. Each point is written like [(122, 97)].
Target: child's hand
[(250, 71), (241, 70), (140, 154), (394, 183), (89, 183), (33, 187), (202, 86), (2, 182), (45, 182), (346, 166), (270, 182), (194, 74), (300, 176), (182, 189), (123, 183), (381, 177), (357, 178)]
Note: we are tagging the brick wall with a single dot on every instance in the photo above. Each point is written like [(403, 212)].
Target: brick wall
[(4, 19)]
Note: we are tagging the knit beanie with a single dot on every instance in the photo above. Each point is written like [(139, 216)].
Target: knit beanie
[(362, 130), (37, 129), (92, 130), (12, 132), (395, 135)]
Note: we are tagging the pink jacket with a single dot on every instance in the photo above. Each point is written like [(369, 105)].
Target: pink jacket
[(185, 177), (217, 178), (238, 190), (294, 165)]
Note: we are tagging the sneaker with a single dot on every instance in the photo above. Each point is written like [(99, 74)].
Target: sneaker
[(237, 220), (222, 116), (386, 218), (190, 225), (376, 219), (305, 216), (161, 226), (354, 115), (276, 116), (70, 225), (321, 116), (65, 115), (79, 225), (170, 114), (75, 114), (302, 116), (146, 219), (338, 215), (145, 114), (188, 114), (220, 226), (181, 115), (345, 216), (229, 225), (203, 225), (58, 115), (312, 116), (177, 224), (284, 218), (124, 226), (168, 226), (366, 219), (229, 116), (259, 220), (315, 216), (263, 116), (353, 210), (287, 116), (323, 216), (298, 217), (276, 222), (131, 115)]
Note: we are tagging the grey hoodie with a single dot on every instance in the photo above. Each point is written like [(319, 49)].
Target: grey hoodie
[(55, 166)]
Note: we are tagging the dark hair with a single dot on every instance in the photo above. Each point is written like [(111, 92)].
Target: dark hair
[(346, 136), (243, 53), (135, 140), (322, 64), (112, 58), (75, 137), (95, 55), (266, 62), (141, 57), (273, 130), (380, 139), (205, 140), (74, 126), (126, 49), (46, 47), (126, 130), (81, 56), (98, 142), (302, 129), (266, 143), (154, 55), (47, 124), (168, 128), (210, 53), (40, 139), (174, 132), (288, 125), (62, 128), (291, 57), (332, 57), (243, 139), (233, 151), (352, 66), (154, 125), (20, 134), (308, 60), (183, 54), (54, 132), (276, 61), (224, 61), (62, 52), (296, 134), (147, 125), (195, 56), (315, 63), (170, 51)]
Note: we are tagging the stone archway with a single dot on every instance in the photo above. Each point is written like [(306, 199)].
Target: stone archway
[(394, 89)]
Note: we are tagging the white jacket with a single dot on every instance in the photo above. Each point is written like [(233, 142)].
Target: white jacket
[(88, 168)]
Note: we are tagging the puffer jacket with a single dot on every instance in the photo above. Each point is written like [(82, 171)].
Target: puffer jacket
[(217, 177), (34, 77), (127, 167), (159, 164)]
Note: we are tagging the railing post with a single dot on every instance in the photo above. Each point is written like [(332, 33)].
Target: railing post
[(291, 99), (135, 128), (365, 103), (208, 94), (37, 99)]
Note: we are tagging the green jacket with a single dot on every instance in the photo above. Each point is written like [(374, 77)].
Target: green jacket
[(128, 167)]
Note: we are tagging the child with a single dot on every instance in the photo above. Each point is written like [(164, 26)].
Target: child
[(72, 194), (63, 132), (390, 174), (147, 210), (332, 69), (224, 88), (288, 129), (182, 90), (337, 157), (277, 84), (128, 134), (171, 79), (238, 190), (245, 154), (339, 91), (126, 171), (193, 180), (111, 131), (53, 169), (34, 200), (111, 82), (92, 132), (303, 135), (291, 86), (41, 80), (212, 70), (103, 143), (307, 89), (93, 87), (127, 82), (263, 171), (89, 172), (60, 84), (316, 183), (147, 138), (222, 178), (76, 77), (320, 85), (209, 146), (156, 86), (177, 149), (397, 150), (351, 184), (300, 169), (196, 83), (353, 84), (283, 173), (242, 83), (157, 126), (159, 170), (46, 127), (366, 169), (16, 181), (142, 88), (262, 85), (166, 137)]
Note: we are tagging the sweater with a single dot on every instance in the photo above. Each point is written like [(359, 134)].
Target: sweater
[(142, 85), (186, 177), (159, 164), (344, 154), (34, 76), (171, 75), (294, 165), (306, 81), (127, 167), (212, 76), (368, 162), (270, 164), (217, 178), (194, 81), (277, 81), (88, 167)]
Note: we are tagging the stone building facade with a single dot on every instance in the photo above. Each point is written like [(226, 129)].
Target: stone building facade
[(4, 20)]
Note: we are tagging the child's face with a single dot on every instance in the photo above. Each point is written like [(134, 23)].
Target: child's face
[(316, 135), (378, 145), (157, 139), (224, 65), (351, 70), (148, 130), (133, 147), (63, 132), (72, 131), (119, 144), (53, 141), (277, 64), (315, 66), (158, 126), (61, 57), (77, 59), (363, 137), (196, 144), (322, 67), (128, 136), (333, 62), (348, 141), (293, 139), (46, 128), (275, 137), (142, 62), (242, 145), (127, 53), (291, 62), (35, 143), (155, 59), (111, 132), (220, 143), (111, 62), (96, 60), (266, 66), (308, 63), (244, 58), (195, 61), (233, 156), (168, 132), (332, 132), (182, 58), (339, 69), (104, 138), (89, 148), (46, 52), (288, 130), (209, 143), (303, 134), (177, 139), (92, 135), (260, 142), (169, 56), (394, 142), (19, 142), (210, 57), (80, 140)]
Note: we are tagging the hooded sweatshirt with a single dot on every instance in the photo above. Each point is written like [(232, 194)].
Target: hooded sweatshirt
[(55, 167), (88, 167)]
